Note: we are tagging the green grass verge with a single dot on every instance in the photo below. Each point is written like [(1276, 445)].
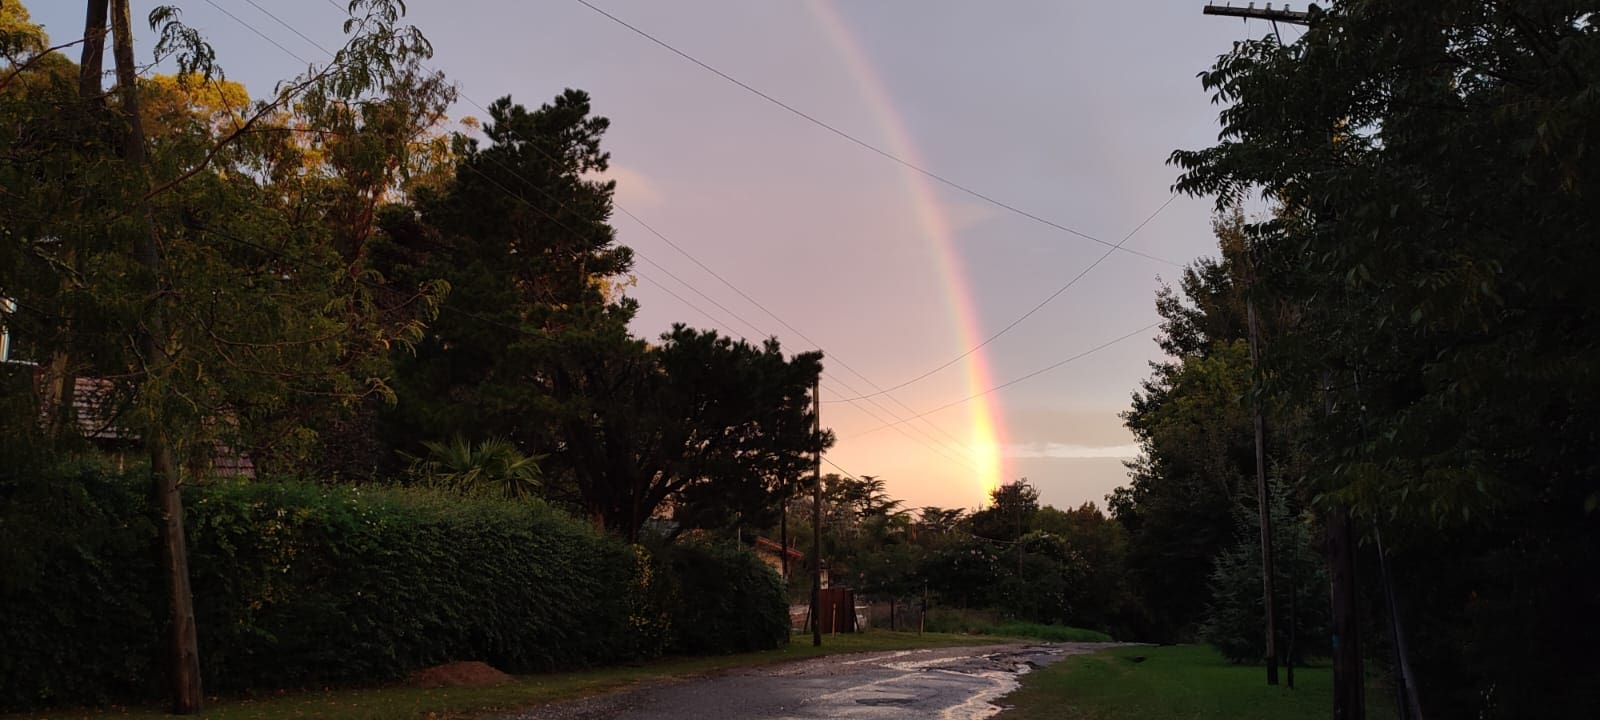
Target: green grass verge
[(1187, 681), (979, 622), (1050, 633), (388, 703)]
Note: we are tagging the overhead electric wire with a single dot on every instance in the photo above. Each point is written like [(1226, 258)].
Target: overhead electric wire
[(258, 33), (858, 141), (930, 443), (898, 421), (1016, 380), (1027, 314), (879, 390)]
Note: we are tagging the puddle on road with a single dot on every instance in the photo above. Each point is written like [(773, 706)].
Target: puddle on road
[(950, 688), (982, 705)]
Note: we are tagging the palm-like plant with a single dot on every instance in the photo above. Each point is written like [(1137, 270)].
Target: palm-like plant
[(494, 466)]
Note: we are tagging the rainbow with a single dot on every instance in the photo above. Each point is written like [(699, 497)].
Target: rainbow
[(984, 447)]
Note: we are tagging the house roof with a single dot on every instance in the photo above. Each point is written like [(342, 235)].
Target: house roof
[(773, 547)]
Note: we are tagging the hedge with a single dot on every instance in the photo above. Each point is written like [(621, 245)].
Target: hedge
[(300, 584), (721, 599)]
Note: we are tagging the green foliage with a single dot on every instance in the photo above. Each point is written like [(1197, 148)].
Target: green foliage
[(1433, 163), (493, 466), (83, 605), (1011, 511), (1235, 623), (722, 599), (519, 233), (298, 585), (705, 423)]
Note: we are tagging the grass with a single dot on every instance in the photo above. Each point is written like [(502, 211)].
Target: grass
[(388, 703), (979, 622), (1050, 633), (1187, 681)]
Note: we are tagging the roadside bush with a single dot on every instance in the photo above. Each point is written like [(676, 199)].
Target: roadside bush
[(720, 599), (298, 584), (1235, 617), (79, 598)]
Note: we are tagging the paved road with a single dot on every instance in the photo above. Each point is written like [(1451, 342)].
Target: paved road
[(950, 683)]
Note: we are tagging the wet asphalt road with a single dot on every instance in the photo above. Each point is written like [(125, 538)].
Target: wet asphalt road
[(949, 683)]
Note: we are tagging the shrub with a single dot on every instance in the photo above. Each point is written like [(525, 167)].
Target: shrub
[(79, 600), (301, 583), (1235, 619), (720, 599), (298, 584)]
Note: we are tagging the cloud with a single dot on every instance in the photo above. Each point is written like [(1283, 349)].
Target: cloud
[(1065, 450), (634, 189)]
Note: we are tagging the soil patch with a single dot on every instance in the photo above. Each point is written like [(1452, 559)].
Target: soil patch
[(459, 674)]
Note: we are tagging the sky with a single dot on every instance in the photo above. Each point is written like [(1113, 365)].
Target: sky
[(1063, 110)]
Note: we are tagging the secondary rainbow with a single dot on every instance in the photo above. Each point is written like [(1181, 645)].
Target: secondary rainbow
[(984, 418)]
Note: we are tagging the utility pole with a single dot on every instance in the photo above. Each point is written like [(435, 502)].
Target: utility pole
[(1349, 691), (816, 515), (1349, 688), (1263, 502), (184, 659), (1251, 12)]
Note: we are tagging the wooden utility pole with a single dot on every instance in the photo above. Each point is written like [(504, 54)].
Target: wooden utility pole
[(1263, 501), (816, 516), (1251, 12), (184, 660), (783, 530), (92, 62), (1349, 701), (1349, 682)]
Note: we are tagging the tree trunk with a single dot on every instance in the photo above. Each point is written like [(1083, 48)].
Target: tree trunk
[(184, 653)]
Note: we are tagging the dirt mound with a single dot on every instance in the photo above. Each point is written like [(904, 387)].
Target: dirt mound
[(458, 674)]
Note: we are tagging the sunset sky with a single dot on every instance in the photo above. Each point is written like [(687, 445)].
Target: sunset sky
[(1065, 110)]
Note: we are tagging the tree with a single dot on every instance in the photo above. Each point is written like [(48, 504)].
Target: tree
[(703, 424), (220, 311), (1099, 596), (1234, 615), (1011, 512), (1436, 237), (1193, 424), (520, 235)]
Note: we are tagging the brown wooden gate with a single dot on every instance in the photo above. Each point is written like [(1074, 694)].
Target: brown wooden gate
[(837, 611)]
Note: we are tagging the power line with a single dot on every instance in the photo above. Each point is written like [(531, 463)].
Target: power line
[(1016, 380), (1027, 314), (869, 146), (258, 33), (652, 230), (898, 420), (878, 390)]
